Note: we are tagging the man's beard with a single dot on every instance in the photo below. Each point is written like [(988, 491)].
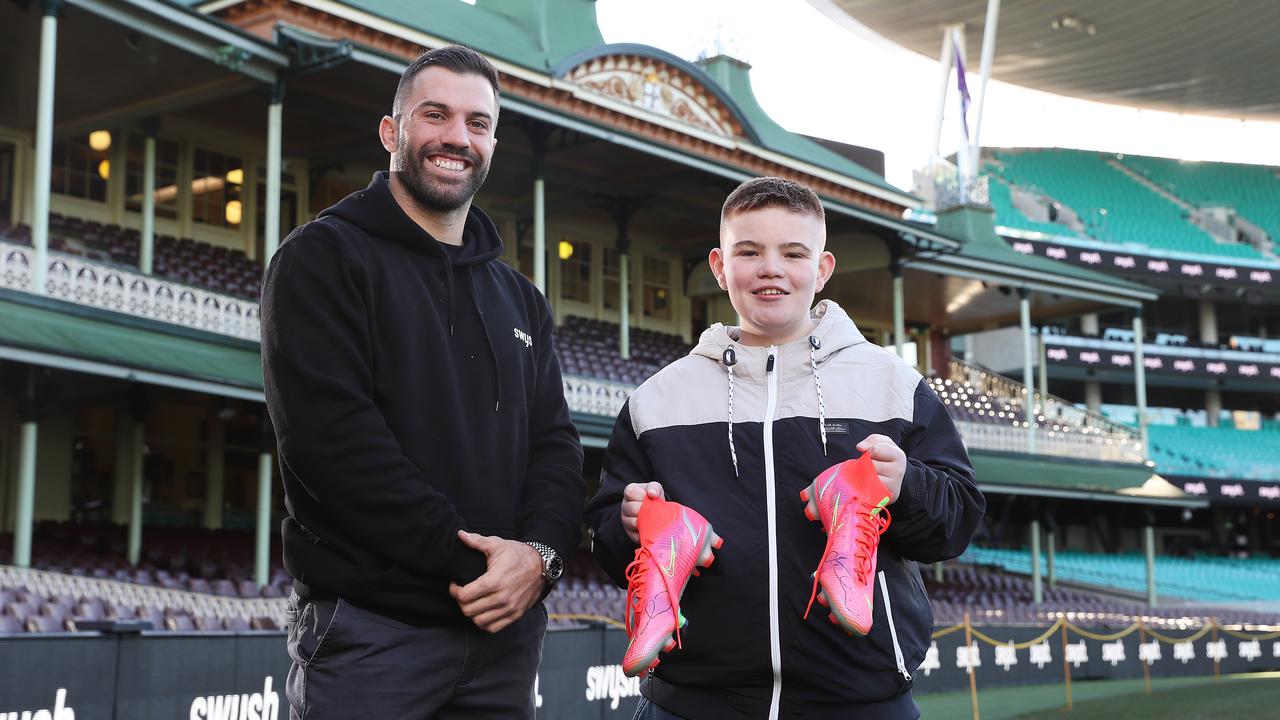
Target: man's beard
[(431, 194)]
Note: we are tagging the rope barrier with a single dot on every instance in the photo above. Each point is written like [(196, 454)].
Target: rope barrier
[(1102, 637), (1022, 645), (1246, 636), (588, 618), (1174, 641)]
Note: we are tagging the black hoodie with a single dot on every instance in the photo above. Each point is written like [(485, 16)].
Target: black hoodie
[(415, 391)]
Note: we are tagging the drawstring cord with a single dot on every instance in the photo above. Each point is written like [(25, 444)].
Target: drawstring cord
[(814, 345), (493, 352), (730, 358)]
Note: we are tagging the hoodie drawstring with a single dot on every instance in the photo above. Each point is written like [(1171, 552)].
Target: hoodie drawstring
[(493, 352), (814, 345), (448, 288), (730, 358)]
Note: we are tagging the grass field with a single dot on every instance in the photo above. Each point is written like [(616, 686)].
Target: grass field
[(1235, 697)]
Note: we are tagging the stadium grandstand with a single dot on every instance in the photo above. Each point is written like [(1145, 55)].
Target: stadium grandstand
[(1100, 327)]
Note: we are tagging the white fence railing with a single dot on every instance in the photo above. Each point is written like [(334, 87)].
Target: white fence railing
[(595, 397), (109, 287), (1062, 429)]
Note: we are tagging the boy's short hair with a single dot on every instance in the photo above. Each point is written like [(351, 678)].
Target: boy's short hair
[(770, 192)]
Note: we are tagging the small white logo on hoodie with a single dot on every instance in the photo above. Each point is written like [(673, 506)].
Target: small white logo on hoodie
[(524, 337)]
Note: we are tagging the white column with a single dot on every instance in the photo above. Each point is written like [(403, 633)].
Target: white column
[(988, 50), (1089, 324), (1024, 308), (1093, 395), (1212, 406), (1140, 380), (262, 540), (1043, 353), (1208, 323), (214, 473), (147, 244), (135, 492), (44, 145), (25, 511), (944, 64), (1037, 589), (624, 305), (540, 234), (271, 223), (899, 312), (1149, 548)]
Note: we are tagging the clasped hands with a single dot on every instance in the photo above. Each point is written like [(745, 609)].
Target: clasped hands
[(511, 584)]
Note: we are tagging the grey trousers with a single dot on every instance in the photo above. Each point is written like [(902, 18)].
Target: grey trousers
[(353, 663)]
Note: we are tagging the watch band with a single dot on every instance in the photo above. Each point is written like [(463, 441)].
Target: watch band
[(552, 565)]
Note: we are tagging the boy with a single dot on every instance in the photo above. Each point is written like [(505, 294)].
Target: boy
[(737, 431)]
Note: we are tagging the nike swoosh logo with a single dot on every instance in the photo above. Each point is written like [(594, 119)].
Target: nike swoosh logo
[(823, 490), (835, 513), (670, 569), (869, 606), (693, 534)]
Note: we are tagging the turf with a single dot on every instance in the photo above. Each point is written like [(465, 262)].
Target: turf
[(1238, 697)]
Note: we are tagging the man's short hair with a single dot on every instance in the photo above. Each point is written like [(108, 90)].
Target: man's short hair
[(770, 192), (458, 59)]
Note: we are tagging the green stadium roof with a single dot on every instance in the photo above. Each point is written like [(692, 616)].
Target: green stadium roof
[(65, 335), (553, 36), (1068, 478)]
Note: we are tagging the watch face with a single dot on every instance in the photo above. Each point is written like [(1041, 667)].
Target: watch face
[(555, 568)]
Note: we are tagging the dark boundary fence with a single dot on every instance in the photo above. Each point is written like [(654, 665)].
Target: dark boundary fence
[(241, 676)]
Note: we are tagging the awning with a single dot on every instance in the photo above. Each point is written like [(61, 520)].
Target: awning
[(54, 333), (1064, 478)]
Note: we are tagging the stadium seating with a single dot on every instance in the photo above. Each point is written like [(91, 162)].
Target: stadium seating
[(1008, 215), (213, 267), (1199, 579), (1252, 190), (1221, 452), (589, 348), (218, 562), (1113, 207)]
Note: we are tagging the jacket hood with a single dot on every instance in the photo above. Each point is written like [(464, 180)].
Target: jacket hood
[(833, 331), (375, 210)]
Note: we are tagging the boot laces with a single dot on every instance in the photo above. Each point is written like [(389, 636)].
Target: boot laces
[(866, 536), (637, 574)]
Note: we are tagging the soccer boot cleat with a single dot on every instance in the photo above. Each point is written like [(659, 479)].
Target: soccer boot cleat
[(851, 502), (674, 542)]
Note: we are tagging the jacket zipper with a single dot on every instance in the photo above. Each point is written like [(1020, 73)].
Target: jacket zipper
[(893, 632), (775, 643)]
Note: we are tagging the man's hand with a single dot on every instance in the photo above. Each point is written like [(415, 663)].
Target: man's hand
[(508, 588), (632, 499), (890, 462)]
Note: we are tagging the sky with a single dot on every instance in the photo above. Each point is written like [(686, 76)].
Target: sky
[(818, 78)]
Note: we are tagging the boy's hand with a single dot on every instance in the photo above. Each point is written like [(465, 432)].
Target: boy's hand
[(632, 497), (890, 462)]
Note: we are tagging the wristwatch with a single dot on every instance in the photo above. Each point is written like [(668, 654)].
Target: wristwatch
[(552, 565)]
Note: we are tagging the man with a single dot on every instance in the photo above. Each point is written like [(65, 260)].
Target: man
[(432, 475), (736, 432)]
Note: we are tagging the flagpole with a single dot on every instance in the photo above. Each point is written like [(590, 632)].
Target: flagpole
[(984, 70)]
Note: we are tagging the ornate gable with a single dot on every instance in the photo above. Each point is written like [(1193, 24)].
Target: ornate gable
[(659, 87)]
